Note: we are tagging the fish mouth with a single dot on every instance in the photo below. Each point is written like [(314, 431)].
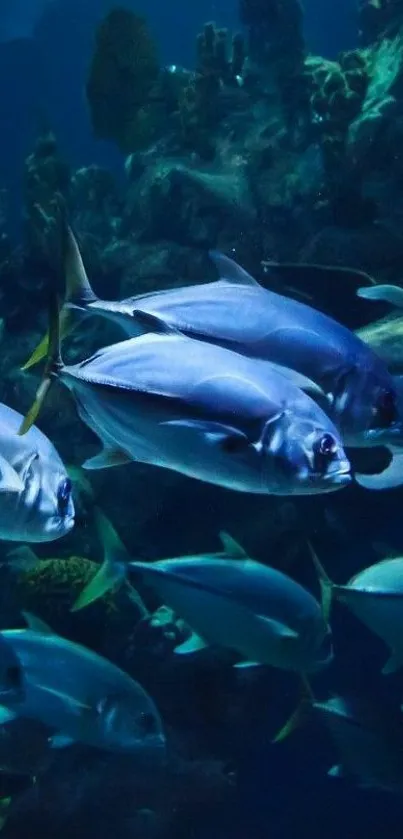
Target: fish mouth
[(340, 476)]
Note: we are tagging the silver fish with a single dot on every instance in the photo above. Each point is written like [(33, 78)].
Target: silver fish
[(82, 696), (370, 744), (35, 489), (237, 313), (236, 603), (375, 596), (203, 411)]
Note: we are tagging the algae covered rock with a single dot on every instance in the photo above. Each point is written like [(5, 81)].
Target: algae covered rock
[(49, 590)]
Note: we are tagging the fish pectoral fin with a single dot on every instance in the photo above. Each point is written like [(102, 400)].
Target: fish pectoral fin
[(300, 381), (393, 664), (390, 478), (279, 629), (244, 665), (231, 547), (60, 741), (230, 439), (392, 294), (22, 558), (7, 715), (106, 458), (10, 481), (192, 645), (37, 624), (75, 705), (148, 322), (230, 272)]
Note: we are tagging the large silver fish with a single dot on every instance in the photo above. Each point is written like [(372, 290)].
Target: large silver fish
[(203, 411), (233, 602), (375, 596), (36, 502), (237, 313), (81, 695), (370, 744)]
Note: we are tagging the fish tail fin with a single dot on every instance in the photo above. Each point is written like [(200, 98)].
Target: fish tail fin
[(113, 570), (300, 714), (53, 366), (78, 291), (326, 584), (5, 804)]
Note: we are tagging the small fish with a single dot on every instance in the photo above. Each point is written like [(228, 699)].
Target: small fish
[(369, 742), (82, 696), (235, 603), (201, 410), (375, 596), (35, 489), (358, 390)]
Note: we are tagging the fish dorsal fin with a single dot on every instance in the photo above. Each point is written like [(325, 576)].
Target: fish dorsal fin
[(231, 547), (230, 271), (78, 289), (37, 624)]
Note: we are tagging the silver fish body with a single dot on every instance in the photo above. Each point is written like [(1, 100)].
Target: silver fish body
[(370, 746), (375, 595), (82, 696), (242, 605), (208, 413), (237, 313), (40, 508)]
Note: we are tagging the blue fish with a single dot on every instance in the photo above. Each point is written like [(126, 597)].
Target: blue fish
[(204, 411), (237, 313), (81, 695)]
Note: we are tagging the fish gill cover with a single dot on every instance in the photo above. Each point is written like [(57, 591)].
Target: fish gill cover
[(290, 163)]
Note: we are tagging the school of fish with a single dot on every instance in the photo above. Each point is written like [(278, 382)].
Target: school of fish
[(235, 385)]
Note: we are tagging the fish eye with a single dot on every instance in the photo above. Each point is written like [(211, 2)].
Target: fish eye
[(386, 409), (147, 723), (63, 496), (324, 451)]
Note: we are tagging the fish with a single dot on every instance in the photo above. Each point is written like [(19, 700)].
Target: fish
[(359, 392), (235, 603), (369, 741), (203, 411), (79, 694), (375, 596), (35, 489)]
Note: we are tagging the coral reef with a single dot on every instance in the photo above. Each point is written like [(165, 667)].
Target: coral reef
[(121, 84)]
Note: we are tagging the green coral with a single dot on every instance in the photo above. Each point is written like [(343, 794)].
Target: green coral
[(122, 84), (50, 588), (338, 90)]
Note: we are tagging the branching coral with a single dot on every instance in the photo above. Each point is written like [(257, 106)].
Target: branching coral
[(121, 87), (201, 105)]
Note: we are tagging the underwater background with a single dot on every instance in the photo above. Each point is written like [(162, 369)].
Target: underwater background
[(281, 140)]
